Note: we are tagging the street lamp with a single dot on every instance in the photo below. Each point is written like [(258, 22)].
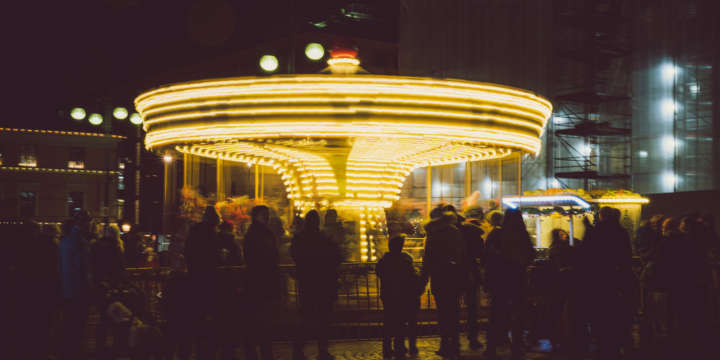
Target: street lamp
[(269, 63), (120, 113), (135, 119), (78, 113), (95, 119), (314, 51)]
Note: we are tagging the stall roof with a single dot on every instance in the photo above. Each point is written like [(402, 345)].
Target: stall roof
[(546, 200)]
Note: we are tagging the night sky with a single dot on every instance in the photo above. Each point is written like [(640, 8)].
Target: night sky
[(108, 51)]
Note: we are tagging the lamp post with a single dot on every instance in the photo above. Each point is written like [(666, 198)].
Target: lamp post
[(105, 119)]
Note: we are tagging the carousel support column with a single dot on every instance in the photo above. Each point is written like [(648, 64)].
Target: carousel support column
[(186, 169), (262, 182), (428, 186), (519, 174), (220, 180), (257, 182), (500, 182), (468, 179), (169, 194)]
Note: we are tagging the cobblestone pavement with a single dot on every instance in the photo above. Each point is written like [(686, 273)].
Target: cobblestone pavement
[(372, 350)]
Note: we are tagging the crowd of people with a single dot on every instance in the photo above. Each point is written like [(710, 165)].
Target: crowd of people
[(80, 265)]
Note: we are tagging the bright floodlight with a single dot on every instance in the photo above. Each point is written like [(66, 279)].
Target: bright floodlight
[(77, 113), (668, 107), (120, 113), (669, 179), (669, 71), (314, 51), (269, 63), (168, 158), (135, 119), (95, 119)]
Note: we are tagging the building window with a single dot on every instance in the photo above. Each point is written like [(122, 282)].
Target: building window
[(121, 182), (28, 204), (75, 202), (28, 156), (77, 158)]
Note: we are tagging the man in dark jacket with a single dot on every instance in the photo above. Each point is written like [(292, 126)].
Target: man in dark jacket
[(474, 249), (202, 255), (605, 264), (444, 264), (263, 279), (400, 292), (317, 260), (75, 276)]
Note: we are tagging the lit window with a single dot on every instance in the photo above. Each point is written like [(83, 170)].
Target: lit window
[(121, 182), (28, 156), (77, 158), (75, 202), (2, 156), (28, 204)]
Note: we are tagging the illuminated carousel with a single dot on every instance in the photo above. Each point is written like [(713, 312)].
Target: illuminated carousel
[(343, 140)]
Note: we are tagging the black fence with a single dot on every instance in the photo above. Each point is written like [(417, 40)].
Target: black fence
[(358, 310)]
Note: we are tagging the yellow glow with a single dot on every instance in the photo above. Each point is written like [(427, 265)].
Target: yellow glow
[(53, 170), (348, 140), (623, 200), (343, 61), (59, 132)]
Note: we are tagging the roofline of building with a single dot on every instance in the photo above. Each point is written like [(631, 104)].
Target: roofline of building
[(61, 132)]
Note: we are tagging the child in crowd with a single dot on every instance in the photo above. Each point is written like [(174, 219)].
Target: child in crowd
[(400, 291)]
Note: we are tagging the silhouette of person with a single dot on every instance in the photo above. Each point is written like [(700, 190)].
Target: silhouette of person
[(509, 252), (108, 266), (202, 254), (74, 251), (333, 228), (562, 266), (317, 260), (606, 269), (262, 280), (474, 249), (230, 254), (400, 290), (444, 265)]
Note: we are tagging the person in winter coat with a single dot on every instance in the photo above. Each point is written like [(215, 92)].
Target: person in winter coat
[(509, 252), (262, 279), (472, 234), (317, 259), (400, 290), (108, 266), (562, 266), (444, 265), (202, 254), (74, 249), (605, 265)]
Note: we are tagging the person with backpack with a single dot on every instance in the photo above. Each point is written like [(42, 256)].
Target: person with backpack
[(509, 252), (400, 292), (444, 266)]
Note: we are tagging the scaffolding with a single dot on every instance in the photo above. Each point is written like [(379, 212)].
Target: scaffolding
[(591, 128)]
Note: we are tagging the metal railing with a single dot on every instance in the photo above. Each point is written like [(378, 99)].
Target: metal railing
[(358, 304)]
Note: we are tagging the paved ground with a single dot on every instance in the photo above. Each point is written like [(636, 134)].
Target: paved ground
[(372, 350)]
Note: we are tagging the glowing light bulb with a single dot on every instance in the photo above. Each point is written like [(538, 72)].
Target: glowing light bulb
[(135, 119), (269, 63), (95, 119), (120, 113), (77, 113), (314, 51)]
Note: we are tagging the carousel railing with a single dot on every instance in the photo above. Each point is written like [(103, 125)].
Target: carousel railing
[(359, 303)]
